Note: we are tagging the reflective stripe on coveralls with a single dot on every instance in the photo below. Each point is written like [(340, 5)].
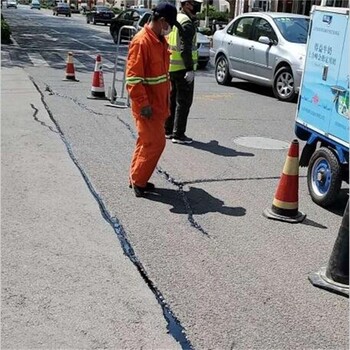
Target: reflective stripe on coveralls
[(175, 46), (147, 81)]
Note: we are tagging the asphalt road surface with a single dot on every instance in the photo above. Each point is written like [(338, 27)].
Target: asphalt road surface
[(232, 278)]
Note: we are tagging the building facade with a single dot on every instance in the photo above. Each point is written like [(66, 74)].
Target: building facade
[(241, 6)]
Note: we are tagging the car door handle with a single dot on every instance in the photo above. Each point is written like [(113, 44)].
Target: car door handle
[(230, 42), (251, 47)]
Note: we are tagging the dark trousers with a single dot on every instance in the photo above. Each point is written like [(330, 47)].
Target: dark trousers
[(181, 98)]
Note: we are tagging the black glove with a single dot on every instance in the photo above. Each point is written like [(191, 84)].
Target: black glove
[(146, 112)]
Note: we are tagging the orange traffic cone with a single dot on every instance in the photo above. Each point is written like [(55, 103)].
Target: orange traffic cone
[(285, 203), (335, 278), (70, 72), (98, 87)]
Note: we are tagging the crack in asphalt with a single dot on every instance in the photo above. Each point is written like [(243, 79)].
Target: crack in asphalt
[(185, 200), (174, 326), (165, 175), (75, 100), (198, 181), (36, 111)]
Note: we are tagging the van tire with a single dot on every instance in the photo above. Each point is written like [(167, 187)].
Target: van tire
[(324, 177)]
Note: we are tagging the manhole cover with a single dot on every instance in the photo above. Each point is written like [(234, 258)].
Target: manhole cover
[(261, 143)]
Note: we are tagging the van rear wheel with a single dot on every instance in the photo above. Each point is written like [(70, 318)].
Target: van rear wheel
[(324, 177)]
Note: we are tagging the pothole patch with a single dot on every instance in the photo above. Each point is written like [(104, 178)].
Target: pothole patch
[(261, 142)]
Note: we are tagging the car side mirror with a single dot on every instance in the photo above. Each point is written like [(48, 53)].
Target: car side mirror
[(265, 40)]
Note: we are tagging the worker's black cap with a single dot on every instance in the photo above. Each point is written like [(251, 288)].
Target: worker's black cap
[(166, 10)]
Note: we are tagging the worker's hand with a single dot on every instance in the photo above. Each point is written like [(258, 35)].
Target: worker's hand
[(189, 76), (146, 112)]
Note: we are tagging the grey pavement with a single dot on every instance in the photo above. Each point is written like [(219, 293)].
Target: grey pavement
[(65, 280)]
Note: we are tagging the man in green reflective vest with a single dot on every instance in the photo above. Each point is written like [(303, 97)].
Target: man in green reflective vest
[(183, 63)]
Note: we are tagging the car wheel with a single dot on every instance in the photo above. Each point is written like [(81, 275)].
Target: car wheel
[(324, 177), (283, 85), (94, 21), (87, 20), (222, 73), (69, 15)]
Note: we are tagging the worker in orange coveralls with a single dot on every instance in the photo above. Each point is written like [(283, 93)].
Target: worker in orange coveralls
[(147, 80)]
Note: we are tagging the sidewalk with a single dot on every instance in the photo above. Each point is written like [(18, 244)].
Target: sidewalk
[(65, 280)]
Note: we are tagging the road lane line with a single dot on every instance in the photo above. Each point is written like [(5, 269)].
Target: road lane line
[(37, 59)]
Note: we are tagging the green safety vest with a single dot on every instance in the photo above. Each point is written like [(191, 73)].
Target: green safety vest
[(175, 46)]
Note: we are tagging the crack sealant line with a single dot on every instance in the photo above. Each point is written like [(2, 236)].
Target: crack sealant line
[(41, 122), (48, 88), (199, 181), (185, 200), (174, 326), (189, 211)]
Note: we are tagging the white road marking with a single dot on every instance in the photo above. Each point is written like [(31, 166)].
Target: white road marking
[(37, 59)]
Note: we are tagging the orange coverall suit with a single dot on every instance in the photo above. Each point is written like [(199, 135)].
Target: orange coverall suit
[(147, 81)]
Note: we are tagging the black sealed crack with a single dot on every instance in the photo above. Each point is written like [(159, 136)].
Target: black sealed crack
[(174, 326), (185, 200), (198, 181), (81, 105), (182, 193), (39, 121), (48, 88)]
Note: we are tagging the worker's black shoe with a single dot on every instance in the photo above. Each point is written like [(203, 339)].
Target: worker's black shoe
[(149, 186), (183, 140), (141, 191)]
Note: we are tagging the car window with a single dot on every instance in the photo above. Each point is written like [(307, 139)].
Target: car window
[(293, 29), (135, 16), (242, 27), (125, 15), (144, 19), (263, 28)]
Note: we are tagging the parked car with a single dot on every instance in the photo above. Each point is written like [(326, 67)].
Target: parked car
[(99, 14), (35, 4), (266, 48), (74, 8), (130, 17), (62, 8), (11, 3), (203, 41), (203, 44)]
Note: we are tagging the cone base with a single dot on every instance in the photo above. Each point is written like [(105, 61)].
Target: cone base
[(320, 280), (268, 213), (91, 97), (70, 79)]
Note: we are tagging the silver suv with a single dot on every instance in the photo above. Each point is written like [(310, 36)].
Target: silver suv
[(266, 48)]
